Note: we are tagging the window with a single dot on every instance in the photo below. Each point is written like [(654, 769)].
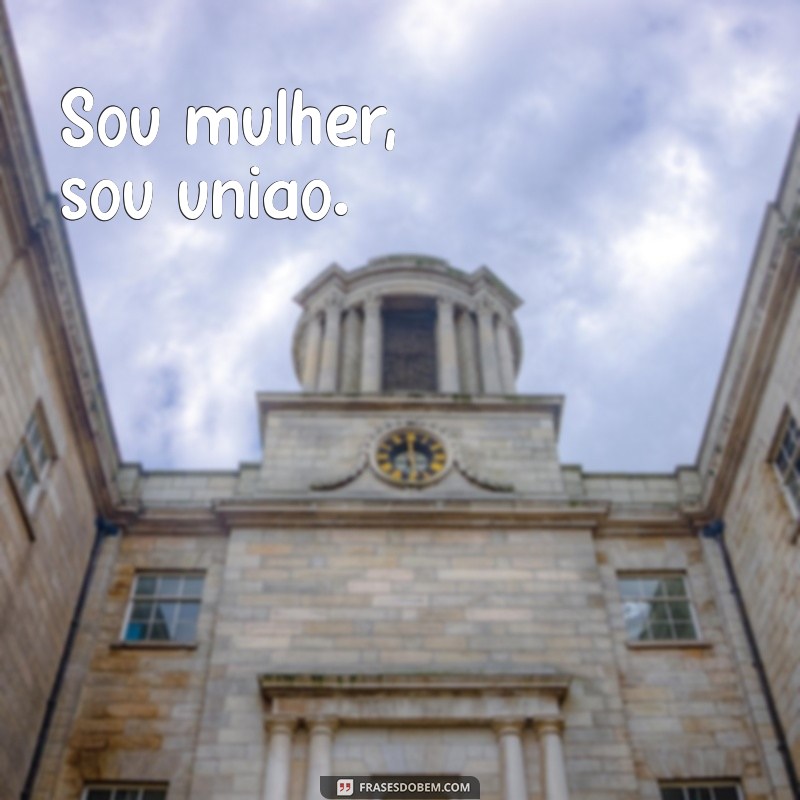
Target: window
[(657, 608), (31, 459), (125, 793), (787, 459), (164, 607), (701, 791), (409, 344)]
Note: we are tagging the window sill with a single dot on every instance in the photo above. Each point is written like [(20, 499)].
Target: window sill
[(667, 644), (122, 645)]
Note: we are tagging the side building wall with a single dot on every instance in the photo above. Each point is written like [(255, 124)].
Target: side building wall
[(759, 389), (47, 528), (762, 529)]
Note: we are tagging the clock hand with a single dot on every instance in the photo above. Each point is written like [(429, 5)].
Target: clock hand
[(412, 459)]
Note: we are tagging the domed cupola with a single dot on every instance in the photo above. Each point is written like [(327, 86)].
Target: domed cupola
[(407, 324)]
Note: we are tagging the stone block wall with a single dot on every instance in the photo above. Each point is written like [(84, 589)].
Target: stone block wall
[(415, 602), (762, 529)]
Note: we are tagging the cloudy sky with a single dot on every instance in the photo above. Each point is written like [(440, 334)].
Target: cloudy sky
[(609, 159)]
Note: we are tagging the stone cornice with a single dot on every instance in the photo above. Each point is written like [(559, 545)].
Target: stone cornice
[(356, 512), (387, 266), (415, 699), (544, 680), (218, 518)]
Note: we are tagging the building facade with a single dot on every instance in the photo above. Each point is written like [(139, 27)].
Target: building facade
[(409, 581)]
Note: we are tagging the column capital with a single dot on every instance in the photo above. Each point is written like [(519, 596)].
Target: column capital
[(504, 726), (333, 300), (548, 725), (321, 724), (486, 306), (280, 723), (373, 302)]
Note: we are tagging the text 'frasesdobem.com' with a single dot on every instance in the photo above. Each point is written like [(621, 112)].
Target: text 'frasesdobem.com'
[(401, 787)]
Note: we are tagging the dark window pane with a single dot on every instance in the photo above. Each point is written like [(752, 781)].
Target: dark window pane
[(166, 611), (684, 630), (674, 587), (409, 344), (98, 794), (166, 614), (141, 612), (146, 585), (659, 612), (23, 472), (154, 794), (671, 793), (135, 632), (726, 793), (159, 632), (681, 612), (661, 630)]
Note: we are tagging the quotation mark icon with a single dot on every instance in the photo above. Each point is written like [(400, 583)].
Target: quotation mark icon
[(344, 787)]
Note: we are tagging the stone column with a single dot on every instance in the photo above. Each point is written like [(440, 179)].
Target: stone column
[(488, 347), (553, 767), (509, 740), (351, 350), (446, 347), (371, 347), (279, 755), (506, 358), (468, 359), (311, 346), (329, 366), (320, 741)]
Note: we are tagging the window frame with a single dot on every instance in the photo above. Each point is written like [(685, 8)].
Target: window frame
[(36, 447), (140, 788), (179, 598), (790, 490), (654, 574), (719, 783)]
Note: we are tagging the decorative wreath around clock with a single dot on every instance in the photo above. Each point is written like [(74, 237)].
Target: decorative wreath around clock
[(410, 456)]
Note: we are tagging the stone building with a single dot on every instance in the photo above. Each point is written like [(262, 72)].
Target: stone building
[(408, 581)]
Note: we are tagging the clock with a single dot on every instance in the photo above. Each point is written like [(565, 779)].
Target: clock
[(411, 456)]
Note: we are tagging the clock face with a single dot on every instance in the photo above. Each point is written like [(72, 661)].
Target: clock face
[(411, 456)]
